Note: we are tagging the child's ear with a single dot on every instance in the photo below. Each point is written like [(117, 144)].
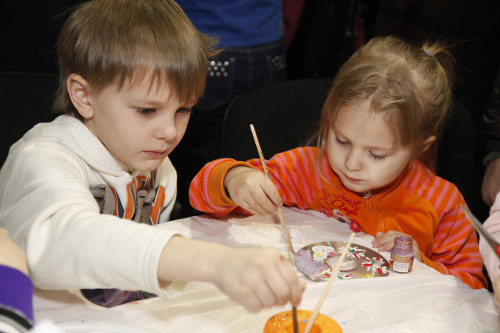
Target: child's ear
[(78, 90), (427, 143)]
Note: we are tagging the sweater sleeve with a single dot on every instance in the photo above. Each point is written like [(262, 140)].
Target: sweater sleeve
[(294, 174), (16, 298), (206, 192), (456, 250), (287, 171), (50, 213), (492, 225)]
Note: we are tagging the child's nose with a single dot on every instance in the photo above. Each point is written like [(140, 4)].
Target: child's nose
[(353, 161), (166, 130)]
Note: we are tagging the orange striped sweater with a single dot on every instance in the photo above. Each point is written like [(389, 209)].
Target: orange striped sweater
[(418, 203)]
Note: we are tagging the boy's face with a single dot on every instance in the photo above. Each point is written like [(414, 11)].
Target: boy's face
[(362, 150), (138, 125)]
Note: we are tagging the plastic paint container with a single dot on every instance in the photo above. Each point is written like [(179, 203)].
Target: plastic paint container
[(283, 323)]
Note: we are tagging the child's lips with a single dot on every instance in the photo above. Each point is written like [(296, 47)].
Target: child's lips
[(156, 153), (353, 180)]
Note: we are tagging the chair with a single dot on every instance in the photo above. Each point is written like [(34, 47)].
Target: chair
[(25, 100), (284, 114)]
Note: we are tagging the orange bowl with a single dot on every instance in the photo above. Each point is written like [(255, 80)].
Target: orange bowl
[(283, 323)]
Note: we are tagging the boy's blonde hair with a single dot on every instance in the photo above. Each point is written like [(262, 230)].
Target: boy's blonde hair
[(410, 85), (108, 41)]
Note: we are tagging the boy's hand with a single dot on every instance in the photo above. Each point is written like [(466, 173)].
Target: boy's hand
[(255, 277), (258, 278), (252, 190), (385, 242)]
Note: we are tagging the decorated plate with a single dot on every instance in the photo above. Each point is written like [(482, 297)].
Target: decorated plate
[(317, 261)]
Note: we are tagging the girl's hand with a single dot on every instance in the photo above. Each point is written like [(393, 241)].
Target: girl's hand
[(252, 190), (385, 242)]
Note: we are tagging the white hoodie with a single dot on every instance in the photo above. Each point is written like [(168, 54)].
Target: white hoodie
[(48, 209), (492, 225)]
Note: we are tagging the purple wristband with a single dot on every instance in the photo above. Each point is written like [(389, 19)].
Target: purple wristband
[(16, 295)]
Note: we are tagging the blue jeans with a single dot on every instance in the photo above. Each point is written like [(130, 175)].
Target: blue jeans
[(238, 69), (234, 71)]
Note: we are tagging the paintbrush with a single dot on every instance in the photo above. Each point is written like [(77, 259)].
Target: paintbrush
[(282, 221), (490, 240)]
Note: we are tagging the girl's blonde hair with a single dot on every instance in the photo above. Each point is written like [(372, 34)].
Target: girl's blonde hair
[(132, 40), (410, 85)]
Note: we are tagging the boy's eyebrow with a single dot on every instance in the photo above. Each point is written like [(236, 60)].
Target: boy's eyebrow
[(155, 102), (146, 100)]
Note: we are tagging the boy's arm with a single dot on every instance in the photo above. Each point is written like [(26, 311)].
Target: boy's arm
[(49, 211), (255, 277), (456, 250)]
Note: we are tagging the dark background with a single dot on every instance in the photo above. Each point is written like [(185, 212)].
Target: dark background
[(327, 33)]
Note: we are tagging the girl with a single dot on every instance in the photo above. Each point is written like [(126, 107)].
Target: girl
[(372, 161)]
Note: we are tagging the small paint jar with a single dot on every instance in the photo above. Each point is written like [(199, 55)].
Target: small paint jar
[(402, 254)]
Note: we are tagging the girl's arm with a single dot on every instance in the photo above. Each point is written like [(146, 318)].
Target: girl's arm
[(292, 172), (456, 250), (206, 192)]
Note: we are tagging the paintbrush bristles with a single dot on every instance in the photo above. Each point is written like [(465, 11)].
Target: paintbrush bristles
[(312, 319)]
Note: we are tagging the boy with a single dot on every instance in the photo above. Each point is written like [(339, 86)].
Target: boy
[(130, 71)]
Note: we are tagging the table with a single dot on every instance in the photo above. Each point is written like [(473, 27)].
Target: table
[(421, 301)]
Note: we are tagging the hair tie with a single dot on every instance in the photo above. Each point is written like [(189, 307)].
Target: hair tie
[(428, 53)]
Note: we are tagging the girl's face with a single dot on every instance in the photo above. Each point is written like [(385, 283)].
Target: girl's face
[(362, 151), (138, 125)]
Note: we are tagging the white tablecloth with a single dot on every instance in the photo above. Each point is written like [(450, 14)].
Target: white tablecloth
[(421, 301)]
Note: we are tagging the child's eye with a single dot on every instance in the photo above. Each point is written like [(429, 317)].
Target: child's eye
[(340, 142), (145, 111), (378, 157), (184, 110)]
